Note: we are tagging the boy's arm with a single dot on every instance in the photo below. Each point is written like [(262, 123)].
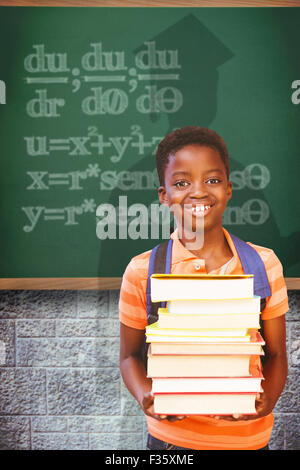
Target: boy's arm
[(134, 373), (132, 367), (275, 365)]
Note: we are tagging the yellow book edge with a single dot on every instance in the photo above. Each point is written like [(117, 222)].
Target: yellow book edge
[(202, 276), (217, 339), (165, 311), (187, 300), (218, 299), (155, 329), (198, 331)]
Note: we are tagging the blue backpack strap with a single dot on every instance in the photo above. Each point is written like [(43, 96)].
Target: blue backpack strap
[(159, 262), (253, 264)]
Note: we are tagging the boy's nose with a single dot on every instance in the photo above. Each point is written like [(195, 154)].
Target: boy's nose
[(198, 190)]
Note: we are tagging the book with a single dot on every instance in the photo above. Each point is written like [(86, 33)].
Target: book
[(207, 365), (207, 321), (205, 346), (253, 346), (152, 338), (196, 286), (154, 329), (208, 384), (213, 306), (203, 404)]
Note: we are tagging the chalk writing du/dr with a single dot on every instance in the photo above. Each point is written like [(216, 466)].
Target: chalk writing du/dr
[(150, 65)]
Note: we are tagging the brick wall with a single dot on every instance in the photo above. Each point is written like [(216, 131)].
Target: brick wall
[(60, 386)]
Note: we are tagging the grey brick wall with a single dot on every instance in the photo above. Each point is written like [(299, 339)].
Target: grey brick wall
[(60, 386)]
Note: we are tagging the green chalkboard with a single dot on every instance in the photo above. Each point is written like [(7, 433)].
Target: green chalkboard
[(88, 94)]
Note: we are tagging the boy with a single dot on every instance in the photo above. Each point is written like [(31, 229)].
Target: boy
[(193, 169)]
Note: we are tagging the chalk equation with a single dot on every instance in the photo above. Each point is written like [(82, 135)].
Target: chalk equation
[(116, 81), (137, 215), (123, 180), (94, 143), (68, 215), (255, 177), (109, 82)]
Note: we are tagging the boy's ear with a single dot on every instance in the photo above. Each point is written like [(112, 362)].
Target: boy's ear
[(229, 190), (163, 196)]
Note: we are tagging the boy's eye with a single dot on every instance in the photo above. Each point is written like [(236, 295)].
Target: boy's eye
[(181, 184), (213, 181)]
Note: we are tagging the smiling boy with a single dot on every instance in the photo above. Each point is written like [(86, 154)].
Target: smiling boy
[(193, 169), (196, 182)]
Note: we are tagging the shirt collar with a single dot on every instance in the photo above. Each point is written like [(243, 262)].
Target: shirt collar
[(180, 253)]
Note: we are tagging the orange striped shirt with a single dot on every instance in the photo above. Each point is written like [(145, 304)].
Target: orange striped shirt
[(202, 432)]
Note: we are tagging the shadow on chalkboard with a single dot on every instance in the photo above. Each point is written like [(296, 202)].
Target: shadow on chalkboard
[(200, 54)]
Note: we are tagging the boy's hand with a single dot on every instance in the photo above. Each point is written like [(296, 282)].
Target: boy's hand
[(148, 408), (274, 368), (262, 405)]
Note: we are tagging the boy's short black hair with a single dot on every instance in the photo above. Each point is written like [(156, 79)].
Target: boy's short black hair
[(179, 138)]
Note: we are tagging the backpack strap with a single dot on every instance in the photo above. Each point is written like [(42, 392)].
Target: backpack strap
[(159, 262), (253, 264)]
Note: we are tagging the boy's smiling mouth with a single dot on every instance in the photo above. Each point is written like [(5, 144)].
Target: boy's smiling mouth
[(198, 210)]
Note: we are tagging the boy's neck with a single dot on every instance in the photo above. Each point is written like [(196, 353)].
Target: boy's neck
[(215, 247)]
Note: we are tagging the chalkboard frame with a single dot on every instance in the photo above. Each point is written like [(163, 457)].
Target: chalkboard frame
[(86, 283), (152, 3), (292, 283)]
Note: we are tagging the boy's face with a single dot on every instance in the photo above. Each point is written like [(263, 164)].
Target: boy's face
[(196, 183)]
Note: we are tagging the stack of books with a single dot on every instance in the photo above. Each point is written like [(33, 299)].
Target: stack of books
[(204, 349)]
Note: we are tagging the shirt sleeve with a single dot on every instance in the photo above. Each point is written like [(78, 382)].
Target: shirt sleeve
[(132, 304), (277, 303)]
